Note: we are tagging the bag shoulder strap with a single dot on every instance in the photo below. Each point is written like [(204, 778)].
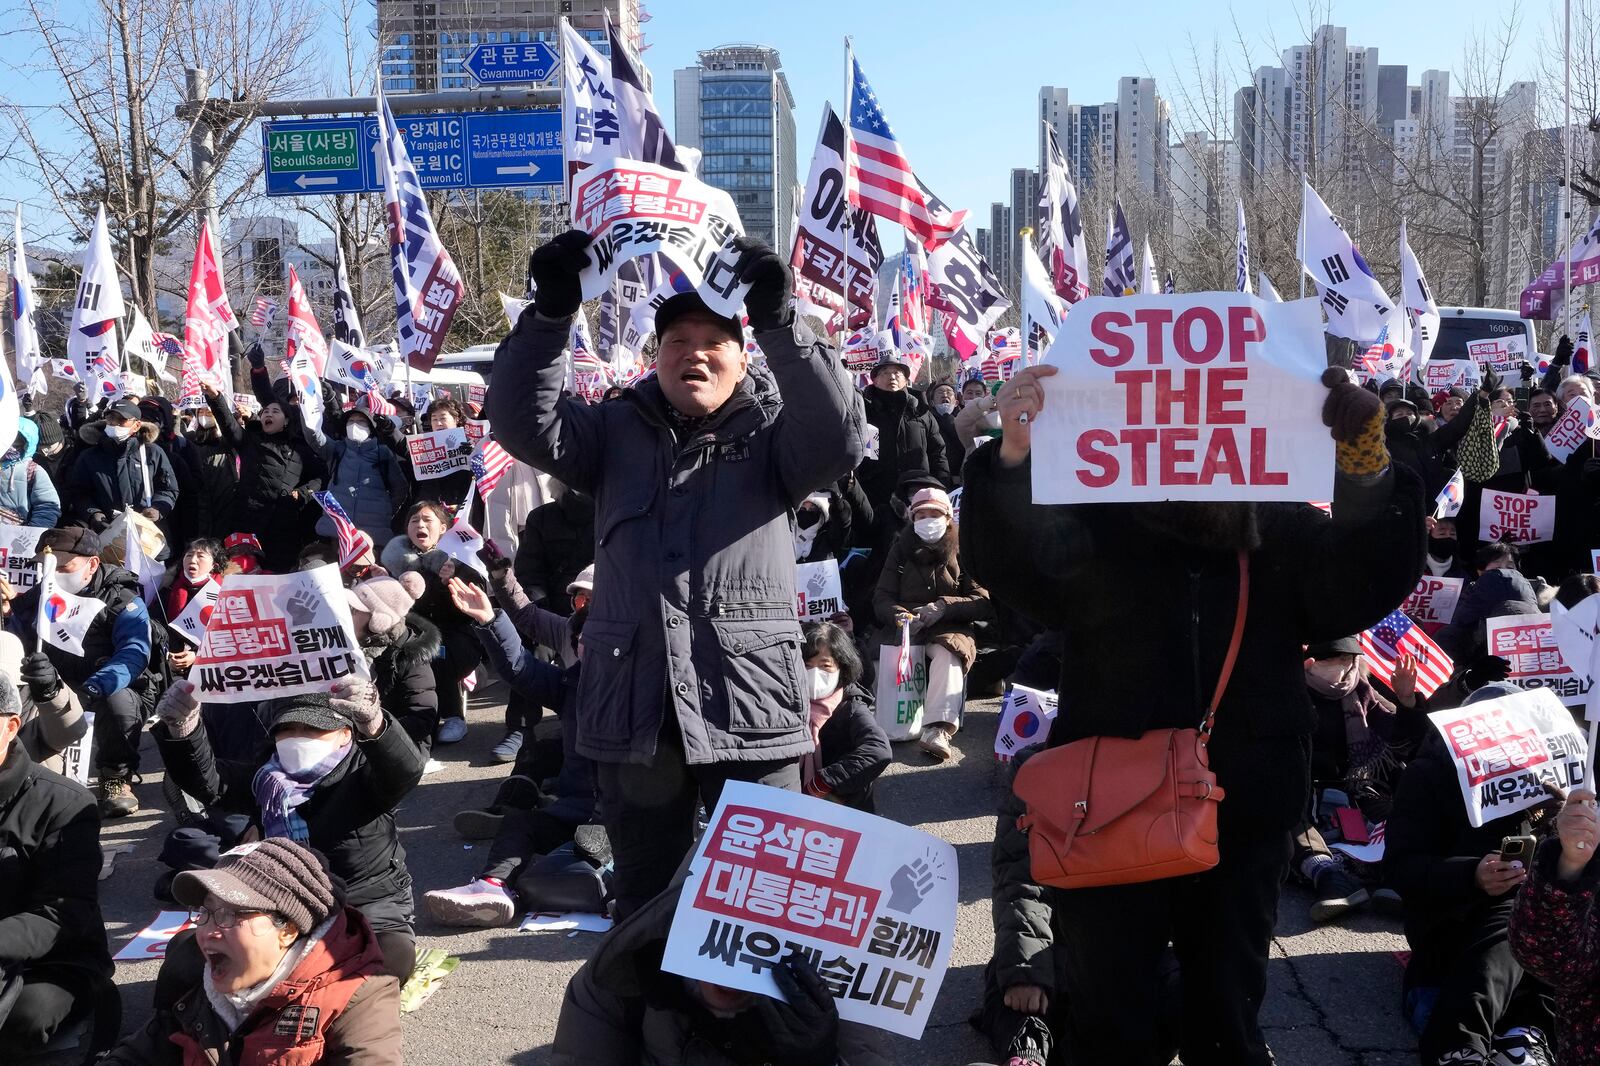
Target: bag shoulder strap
[(1239, 616)]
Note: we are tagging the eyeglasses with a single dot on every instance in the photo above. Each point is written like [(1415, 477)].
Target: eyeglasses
[(221, 917)]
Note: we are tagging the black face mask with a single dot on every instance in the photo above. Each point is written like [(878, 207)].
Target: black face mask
[(807, 517), (1442, 548)]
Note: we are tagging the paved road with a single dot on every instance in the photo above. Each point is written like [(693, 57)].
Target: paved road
[(1332, 999)]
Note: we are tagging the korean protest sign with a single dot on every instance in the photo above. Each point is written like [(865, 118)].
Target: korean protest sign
[(1528, 642), (871, 903), (819, 595), (1025, 717), (1504, 355), (152, 941), (18, 546), (630, 209), (1505, 749), (819, 260), (75, 756), (1441, 374), (1578, 423), (1207, 396), (1433, 602), (444, 451), (1518, 517), (1577, 631), (277, 636)]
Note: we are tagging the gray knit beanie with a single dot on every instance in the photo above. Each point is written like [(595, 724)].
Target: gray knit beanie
[(274, 874)]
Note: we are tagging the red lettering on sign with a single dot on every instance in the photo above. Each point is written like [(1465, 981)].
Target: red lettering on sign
[(1225, 386), (1094, 448), (1211, 335), (1244, 327), (1103, 327)]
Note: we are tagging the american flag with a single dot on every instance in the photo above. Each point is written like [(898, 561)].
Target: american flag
[(489, 464), (168, 345), (378, 405), (881, 179), (262, 313), (1397, 635), (352, 542)]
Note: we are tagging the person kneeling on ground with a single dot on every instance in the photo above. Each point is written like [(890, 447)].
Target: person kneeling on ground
[(851, 747), (279, 968), (623, 1009)]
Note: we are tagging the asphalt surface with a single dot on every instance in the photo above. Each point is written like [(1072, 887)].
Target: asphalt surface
[(1333, 997)]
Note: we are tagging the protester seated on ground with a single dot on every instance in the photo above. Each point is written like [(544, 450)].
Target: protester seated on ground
[(400, 646), (851, 747), (417, 551), (622, 1009), (553, 634), (557, 542), (908, 435), (1555, 927), (978, 415), (244, 551), (120, 467), (279, 968), (28, 496), (1463, 990), (332, 778), (1444, 559), (49, 726), (203, 560), (922, 585), (1360, 747), (942, 401), (831, 521), (531, 824), (56, 966)]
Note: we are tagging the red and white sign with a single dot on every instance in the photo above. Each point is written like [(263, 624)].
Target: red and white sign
[(152, 941), (1441, 374), (274, 636), (819, 594), (1505, 749), (871, 902), (444, 451), (1433, 602), (1518, 517), (1528, 643), (1578, 423), (1209, 396), (1503, 355)]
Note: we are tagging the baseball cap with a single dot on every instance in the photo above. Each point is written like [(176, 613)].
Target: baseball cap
[(687, 303)]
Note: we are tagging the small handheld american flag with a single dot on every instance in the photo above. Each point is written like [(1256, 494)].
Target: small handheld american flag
[(1397, 635), (261, 314), (378, 405), (489, 464), (352, 542)]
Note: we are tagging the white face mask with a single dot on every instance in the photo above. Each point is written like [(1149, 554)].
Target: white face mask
[(72, 581), (119, 432), (356, 432), (299, 754), (823, 682), (929, 530), (944, 408)]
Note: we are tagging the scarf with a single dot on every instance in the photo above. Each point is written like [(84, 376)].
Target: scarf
[(821, 711), (279, 794), (233, 1008), (1438, 567), (805, 538)]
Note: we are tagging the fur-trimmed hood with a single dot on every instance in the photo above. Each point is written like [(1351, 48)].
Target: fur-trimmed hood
[(94, 433)]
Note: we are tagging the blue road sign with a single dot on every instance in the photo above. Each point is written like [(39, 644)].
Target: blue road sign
[(503, 64), (452, 150)]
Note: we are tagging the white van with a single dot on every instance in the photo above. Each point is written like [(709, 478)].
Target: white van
[(1460, 325)]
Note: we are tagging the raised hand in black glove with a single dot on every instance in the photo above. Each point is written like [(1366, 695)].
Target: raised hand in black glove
[(1491, 382), (1527, 374), (256, 356), (1563, 350), (1349, 408), (803, 1028), (554, 267), (1484, 670), (768, 303), (41, 678)]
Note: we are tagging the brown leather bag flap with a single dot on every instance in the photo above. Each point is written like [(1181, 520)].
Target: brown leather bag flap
[(1060, 785)]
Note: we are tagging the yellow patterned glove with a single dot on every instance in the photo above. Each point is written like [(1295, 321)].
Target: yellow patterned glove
[(1355, 420)]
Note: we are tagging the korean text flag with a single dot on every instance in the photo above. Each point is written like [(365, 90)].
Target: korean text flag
[(823, 223), (63, 617), (92, 337), (777, 874), (308, 353), (591, 129), (631, 209), (1061, 245), (1355, 302), (1418, 301), (1203, 396), (275, 636), (24, 326), (961, 285), (207, 318), (1121, 276), (346, 319), (644, 135), (1505, 750), (427, 286)]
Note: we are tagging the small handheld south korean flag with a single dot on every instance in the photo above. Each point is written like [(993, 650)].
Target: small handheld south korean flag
[(63, 617), (1448, 503), (1025, 717)]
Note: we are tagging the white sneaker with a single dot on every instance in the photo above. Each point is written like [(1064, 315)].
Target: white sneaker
[(480, 904), (936, 742)]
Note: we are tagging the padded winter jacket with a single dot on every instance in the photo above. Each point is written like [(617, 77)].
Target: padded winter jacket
[(27, 495), (110, 476)]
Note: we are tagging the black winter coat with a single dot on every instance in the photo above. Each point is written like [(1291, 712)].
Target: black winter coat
[(855, 750), (107, 477), (403, 674), (208, 482), (350, 814), (49, 870), (271, 466), (955, 450), (909, 439), (557, 542)]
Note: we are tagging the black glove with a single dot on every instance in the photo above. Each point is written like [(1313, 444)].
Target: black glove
[(1484, 670), (41, 678), (1527, 374), (1491, 382), (1563, 351), (256, 356), (804, 1031), (553, 269), (768, 303)]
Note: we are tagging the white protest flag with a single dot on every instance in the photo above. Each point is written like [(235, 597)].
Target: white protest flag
[(513, 307), (1506, 749), (1582, 351), (1025, 717), (308, 353), (1269, 291), (630, 209), (1149, 279), (961, 285), (427, 286), (139, 346), (591, 128), (1042, 309), (1242, 254), (1354, 301), (24, 325), (92, 337), (1062, 248), (1226, 405), (463, 543), (139, 564), (778, 873), (644, 135), (277, 635), (1418, 301), (10, 411), (346, 319), (64, 619), (359, 368), (196, 614), (1448, 502), (824, 221), (1121, 277)]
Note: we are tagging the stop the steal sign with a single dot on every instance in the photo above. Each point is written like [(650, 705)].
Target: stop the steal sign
[(1210, 396)]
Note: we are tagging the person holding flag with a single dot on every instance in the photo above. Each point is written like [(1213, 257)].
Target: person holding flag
[(86, 627), (363, 473), (120, 467)]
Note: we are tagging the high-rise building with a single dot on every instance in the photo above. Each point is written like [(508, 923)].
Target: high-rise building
[(1394, 102), (1202, 174), (1311, 113), (736, 108), (1024, 212), (1054, 111), (1090, 141), (1144, 123), (422, 43), (999, 247)]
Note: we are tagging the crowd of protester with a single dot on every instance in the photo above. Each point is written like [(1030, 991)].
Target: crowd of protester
[(646, 599)]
